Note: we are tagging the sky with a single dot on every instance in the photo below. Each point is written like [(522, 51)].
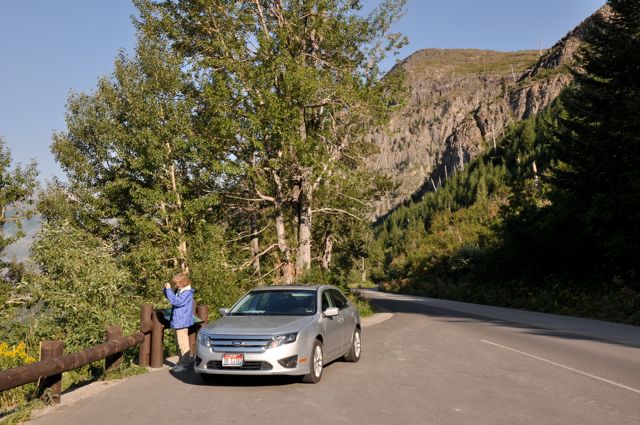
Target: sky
[(49, 49)]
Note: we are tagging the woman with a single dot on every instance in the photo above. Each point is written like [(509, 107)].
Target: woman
[(181, 316)]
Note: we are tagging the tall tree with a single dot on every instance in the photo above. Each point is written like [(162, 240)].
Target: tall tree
[(298, 84), (598, 178), (140, 174)]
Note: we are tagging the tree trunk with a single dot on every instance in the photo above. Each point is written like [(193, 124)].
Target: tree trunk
[(303, 259), (182, 243), (255, 245), (285, 252), (328, 251)]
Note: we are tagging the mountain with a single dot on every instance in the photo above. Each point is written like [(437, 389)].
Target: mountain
[(461, 101), (19, 250)]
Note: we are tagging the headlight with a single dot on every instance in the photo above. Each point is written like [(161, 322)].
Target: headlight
[(279, 340), (203, 339)]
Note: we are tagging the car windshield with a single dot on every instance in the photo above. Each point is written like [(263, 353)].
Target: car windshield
[(276, 303)]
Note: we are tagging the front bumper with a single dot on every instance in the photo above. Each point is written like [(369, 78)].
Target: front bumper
[(265, 363)]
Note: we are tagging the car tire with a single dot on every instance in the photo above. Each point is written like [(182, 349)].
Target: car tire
[(356, 347), (208, 378), (315, 364)]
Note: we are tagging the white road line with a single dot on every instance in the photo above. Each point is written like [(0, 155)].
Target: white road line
[(564, 367)]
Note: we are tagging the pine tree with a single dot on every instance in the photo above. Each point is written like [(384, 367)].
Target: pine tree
[(598, 178)]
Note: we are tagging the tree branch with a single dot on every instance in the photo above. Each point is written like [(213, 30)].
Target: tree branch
[(259, 255), (249, 234), (337, 211)]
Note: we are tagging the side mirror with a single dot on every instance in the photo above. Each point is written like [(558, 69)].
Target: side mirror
[(331, 311), (223, 311)]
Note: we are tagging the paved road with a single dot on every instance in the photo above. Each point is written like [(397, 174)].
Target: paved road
[(434, 362)]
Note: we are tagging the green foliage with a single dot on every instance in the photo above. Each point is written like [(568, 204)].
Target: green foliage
[(596, 180), (216, 285), (290, 89), (11, 357), (81, 289), (142, 176)]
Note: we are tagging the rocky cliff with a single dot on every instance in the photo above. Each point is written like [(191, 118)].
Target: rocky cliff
[(461, 102)]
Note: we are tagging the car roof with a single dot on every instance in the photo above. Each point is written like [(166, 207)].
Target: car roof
[(290, 287)]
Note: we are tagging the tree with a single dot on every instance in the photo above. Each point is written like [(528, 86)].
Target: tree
[(17, 187), (81, 288), (294, 86), (141, 175), (598, 179)]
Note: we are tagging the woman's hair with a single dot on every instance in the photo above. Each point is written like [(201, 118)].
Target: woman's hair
[(181, 280)]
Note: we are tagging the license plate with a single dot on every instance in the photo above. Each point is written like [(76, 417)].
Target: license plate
[(232, 360)]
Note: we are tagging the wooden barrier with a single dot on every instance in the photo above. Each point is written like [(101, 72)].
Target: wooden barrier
[(53, 366), (53, 362), (51, 386), (157, 334), (115, 360), (146, 324), (157, 341)]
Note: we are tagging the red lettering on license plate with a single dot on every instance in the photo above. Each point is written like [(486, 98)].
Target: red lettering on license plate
[(232, 360)]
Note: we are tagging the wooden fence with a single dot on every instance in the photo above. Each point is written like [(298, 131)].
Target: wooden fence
[(53, 362)]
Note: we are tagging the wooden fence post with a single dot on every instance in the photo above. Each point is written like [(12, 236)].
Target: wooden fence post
[(193, 330), (53, 383), (146, 313), (115, 360), (157, 347), (203, 314)]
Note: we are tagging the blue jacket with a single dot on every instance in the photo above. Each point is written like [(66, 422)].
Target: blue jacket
[(182, 310)]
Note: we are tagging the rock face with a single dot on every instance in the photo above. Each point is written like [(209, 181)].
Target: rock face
[(461, 102)]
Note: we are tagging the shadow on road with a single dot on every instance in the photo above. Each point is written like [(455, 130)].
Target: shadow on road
[(413, 307), (193, 378)]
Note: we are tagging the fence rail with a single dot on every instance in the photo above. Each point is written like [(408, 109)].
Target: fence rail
[(53, 362)]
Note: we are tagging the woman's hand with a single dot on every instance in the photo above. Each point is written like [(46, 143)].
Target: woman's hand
[(167, 285)]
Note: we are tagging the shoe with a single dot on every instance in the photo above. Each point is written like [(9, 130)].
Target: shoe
[(178, 368)]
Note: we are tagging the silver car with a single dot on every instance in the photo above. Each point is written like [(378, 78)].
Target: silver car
[(280, 330)]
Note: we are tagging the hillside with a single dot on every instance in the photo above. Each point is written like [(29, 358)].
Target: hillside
[(461, 101)]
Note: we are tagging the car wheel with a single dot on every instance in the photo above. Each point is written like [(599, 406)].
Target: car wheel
[(207, 378), (356, 347), (316, 365)]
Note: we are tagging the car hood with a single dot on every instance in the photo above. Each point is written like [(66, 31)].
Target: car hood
[(258, 325)]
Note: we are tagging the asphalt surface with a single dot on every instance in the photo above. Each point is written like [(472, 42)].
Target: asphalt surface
[(433, 362)]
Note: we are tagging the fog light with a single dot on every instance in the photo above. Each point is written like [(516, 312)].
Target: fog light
[(198, 361), (289, 362)]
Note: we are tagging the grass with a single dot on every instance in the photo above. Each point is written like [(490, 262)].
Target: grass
[(470, 61), (363, 304), (20, 413)]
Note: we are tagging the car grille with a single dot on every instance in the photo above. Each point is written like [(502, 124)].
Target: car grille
[(239, 343), (217, 364)]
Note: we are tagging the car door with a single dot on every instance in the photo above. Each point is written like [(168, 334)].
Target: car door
[(332, 328), (347, 316)]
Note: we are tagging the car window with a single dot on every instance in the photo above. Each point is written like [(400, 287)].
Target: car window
[(326, 301), (276, 302), (338, 299)]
